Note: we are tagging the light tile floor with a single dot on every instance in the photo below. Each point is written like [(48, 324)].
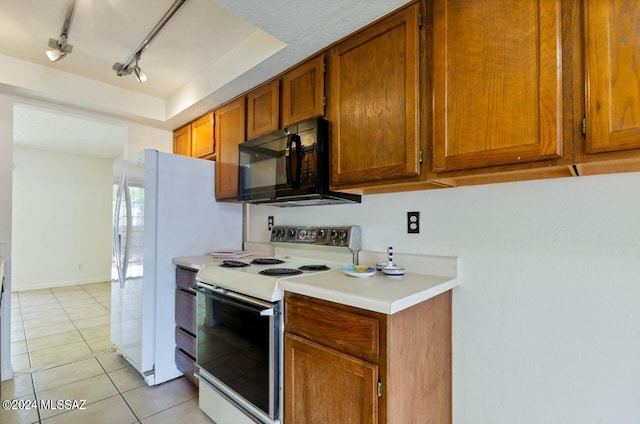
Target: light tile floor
[(61, 350)]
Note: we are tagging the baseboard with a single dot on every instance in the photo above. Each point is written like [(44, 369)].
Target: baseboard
[(50, 285)]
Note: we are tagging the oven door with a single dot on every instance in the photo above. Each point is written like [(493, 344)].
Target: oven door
[(239, 349)]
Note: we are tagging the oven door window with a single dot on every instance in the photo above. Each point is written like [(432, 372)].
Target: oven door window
[(238, 346)]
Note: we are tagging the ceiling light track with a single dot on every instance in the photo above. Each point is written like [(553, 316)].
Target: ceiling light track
[(131, 64), (60, 48)]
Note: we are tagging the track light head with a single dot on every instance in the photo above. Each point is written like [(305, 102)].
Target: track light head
[(59, 48), (122, 69), (140, 76)]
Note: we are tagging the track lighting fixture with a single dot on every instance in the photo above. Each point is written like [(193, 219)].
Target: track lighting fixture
[(59, 47), (131, 64)]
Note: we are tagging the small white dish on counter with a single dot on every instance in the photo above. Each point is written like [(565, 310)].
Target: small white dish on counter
[(358, 271), (393, 271)]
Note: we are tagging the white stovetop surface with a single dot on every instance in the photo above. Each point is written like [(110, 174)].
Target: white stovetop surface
[(248, 280), (427, 277)]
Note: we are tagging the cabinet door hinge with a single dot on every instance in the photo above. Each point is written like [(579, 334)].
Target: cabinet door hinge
[(584, 125), (420, 20), (379, 388), (324, 101), (420, 156), (324, 67)]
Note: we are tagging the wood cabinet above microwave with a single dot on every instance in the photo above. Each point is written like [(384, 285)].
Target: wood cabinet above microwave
[(263, 110), (303, 92)]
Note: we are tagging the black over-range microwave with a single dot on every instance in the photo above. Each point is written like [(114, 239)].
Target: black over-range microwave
[(289, 167)]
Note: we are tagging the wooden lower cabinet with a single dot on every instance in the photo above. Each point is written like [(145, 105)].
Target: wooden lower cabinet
[(313, 371), (349, 365)]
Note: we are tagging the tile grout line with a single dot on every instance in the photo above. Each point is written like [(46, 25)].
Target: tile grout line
[(120, 392), (24, 330)]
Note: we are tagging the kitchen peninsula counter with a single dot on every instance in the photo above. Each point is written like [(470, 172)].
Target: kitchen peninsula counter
[(381, 293)]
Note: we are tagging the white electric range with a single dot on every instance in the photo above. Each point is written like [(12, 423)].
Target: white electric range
[(240, 330)]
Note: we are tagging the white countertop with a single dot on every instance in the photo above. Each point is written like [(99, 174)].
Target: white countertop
[(195, 262), (378, 293)]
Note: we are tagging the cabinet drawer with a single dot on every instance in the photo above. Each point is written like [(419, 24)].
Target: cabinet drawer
[(186, 306), (187, 365), (186, 341), (185, 278), (347, 332)]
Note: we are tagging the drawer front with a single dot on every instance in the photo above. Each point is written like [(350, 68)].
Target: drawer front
[(344, 331), (185, 278), (186, 307), (187, 365), (186, 341)]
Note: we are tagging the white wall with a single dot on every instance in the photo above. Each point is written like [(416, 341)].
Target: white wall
[(142, 137), (61, 219), (546, 322)]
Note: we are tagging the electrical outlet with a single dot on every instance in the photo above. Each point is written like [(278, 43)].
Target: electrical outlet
[(413, 222), (270, 222)]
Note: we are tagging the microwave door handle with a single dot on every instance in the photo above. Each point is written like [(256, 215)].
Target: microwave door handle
[(298, 158), (287, 160)]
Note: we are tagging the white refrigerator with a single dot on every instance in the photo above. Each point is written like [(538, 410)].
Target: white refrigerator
[(164, 206)]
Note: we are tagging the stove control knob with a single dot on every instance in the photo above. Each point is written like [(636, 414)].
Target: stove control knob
[(334, 234), (321, 234), (302, 234), (281, 232), (343, 234), (292, 232)]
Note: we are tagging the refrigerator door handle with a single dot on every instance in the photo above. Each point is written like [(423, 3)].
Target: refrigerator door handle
[(127, 238), (117, 237)]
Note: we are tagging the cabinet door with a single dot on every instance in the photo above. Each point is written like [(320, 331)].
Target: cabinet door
[(612, 58), (230, 132), (202, 142), (263, 110), (497, 83), (373, 85), (325, 386), (182, 141), (303, 92)]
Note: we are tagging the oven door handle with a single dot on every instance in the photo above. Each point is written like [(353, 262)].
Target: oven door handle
[(236, 299)]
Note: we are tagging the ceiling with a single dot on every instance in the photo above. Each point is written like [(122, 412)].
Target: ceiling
[(208, 53)]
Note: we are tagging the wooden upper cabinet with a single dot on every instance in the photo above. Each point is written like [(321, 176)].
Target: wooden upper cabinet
[(497, 82), (263, 110), (202, 141), (612, 59), (374, 101), (182, 141), (230, 132), (303, 92)]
